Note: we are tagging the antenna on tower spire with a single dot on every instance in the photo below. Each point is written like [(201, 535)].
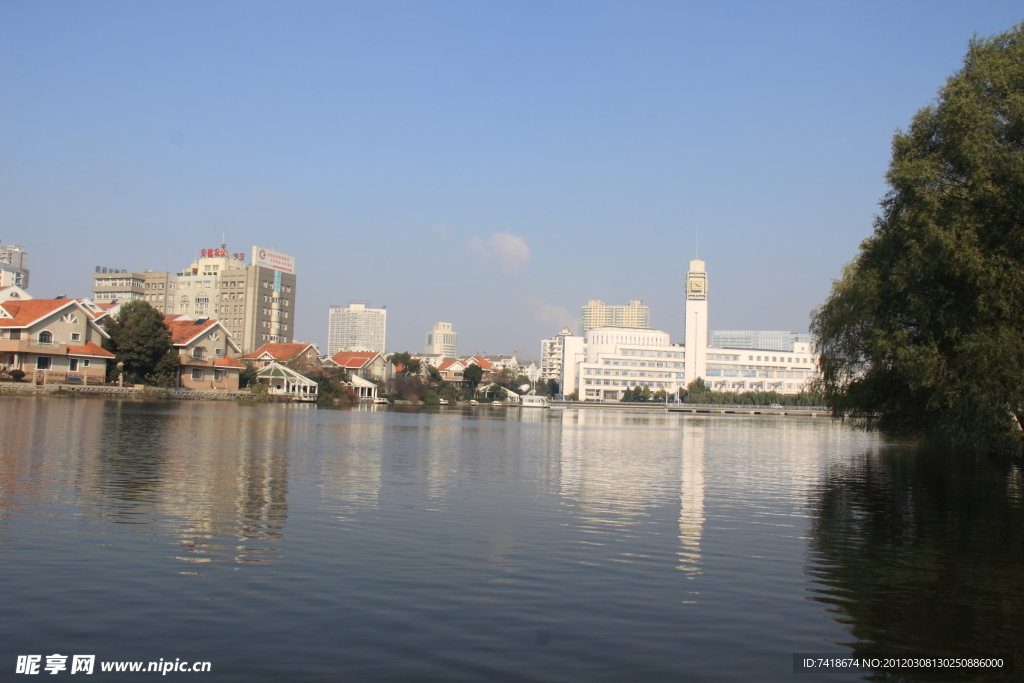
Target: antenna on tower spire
[(696, 248)]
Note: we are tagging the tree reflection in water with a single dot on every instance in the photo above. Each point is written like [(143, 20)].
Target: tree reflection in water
[(921, 550)]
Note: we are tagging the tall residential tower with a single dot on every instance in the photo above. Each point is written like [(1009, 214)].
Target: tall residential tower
[(356, 327)]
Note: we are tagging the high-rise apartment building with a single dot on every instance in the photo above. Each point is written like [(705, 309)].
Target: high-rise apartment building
[(256, 303), (441, 341), (599, 314), (356, 327), (551, 354), (13, 266)]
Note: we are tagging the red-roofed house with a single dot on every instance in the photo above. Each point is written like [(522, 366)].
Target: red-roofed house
[(206, 352), (369, 365), (52, 340), (484, 364), (297, 355), (451, 370)]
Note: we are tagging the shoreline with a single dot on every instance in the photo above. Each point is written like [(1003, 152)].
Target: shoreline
[(244, 396)]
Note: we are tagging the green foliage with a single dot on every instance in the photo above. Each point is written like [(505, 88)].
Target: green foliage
[(925, 331), (756, 398), (472, 375), (16, 375), (247, 376), (138, 338), (697, 386), (432, 399), (260, 392), (411, 365), (434, 375), (574, 396), (167, 371), (331, 385), (546, 387)]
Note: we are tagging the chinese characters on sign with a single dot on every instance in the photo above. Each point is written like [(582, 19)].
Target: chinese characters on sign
[(222, 253)]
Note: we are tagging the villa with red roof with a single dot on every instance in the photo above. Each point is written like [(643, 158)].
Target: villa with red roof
[(451, 370), (206, 352), (52, 341), (295, 353), (369, 365)]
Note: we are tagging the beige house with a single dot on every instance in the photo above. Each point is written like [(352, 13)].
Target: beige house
[(369, 365), (206, 352), (52, 341), (298, 355)]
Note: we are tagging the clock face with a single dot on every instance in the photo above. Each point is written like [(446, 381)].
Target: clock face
[(696, 285)]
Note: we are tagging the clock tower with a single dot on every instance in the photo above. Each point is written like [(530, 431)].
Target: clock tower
[(696, 321)]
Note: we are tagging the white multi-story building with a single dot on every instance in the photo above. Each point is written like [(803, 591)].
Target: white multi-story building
[(551, 354), (356, 327), (606, 361), (441, 341), (598, 314), (13, 266)]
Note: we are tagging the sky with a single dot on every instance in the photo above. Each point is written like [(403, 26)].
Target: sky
[(494, 165)]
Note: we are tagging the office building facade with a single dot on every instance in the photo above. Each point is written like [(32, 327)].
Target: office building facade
[(255, 303)]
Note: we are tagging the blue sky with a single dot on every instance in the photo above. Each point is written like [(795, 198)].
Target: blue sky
[(493, 165)]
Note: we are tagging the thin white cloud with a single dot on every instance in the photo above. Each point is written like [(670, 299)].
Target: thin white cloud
[(509, 251), (554, 316)]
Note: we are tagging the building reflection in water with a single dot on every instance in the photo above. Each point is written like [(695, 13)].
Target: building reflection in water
[(691, 499), (351, 461), (230, 479), (615, 466)]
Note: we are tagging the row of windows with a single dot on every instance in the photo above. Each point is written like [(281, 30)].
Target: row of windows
[(652, 354), (779, 359), (618, 383), (644, 364), (74, 364), (200, 373), (760, 373), (722, 356), (631, 373), (44, 337), (267, 284)]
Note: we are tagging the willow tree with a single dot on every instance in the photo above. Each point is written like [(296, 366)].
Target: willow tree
[(925, 330)]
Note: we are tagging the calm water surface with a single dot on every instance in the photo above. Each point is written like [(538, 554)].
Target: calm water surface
[(286, 543)]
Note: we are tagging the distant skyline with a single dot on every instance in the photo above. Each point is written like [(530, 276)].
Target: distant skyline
[(495, 165)]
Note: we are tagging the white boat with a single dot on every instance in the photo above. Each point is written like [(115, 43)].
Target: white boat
[(534, 401), (380, 399)]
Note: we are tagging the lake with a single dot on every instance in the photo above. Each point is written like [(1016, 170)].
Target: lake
[(291, 543)]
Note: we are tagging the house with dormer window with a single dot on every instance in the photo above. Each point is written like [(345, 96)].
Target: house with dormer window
[(207, 353), (52, 341), (297, 355)]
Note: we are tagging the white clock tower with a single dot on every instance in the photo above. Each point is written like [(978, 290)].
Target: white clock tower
[(696, 321)]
